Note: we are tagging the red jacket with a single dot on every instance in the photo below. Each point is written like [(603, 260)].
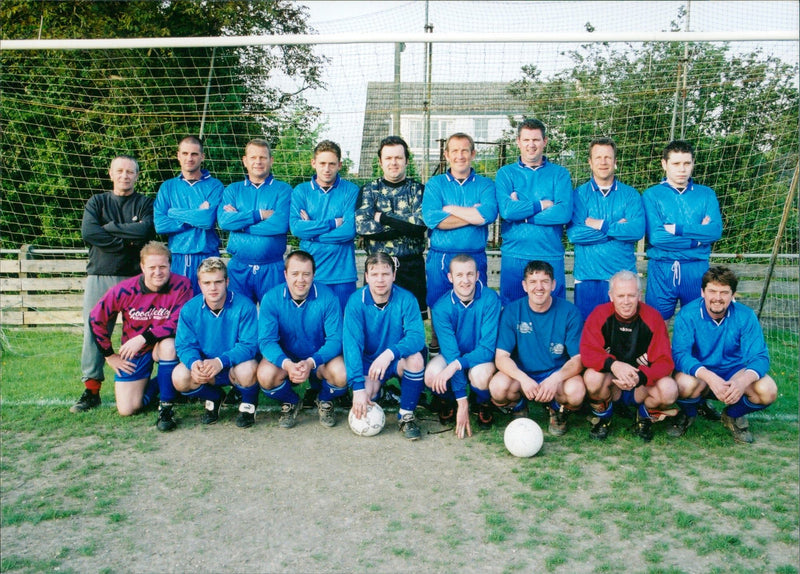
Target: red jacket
[(607, 338)]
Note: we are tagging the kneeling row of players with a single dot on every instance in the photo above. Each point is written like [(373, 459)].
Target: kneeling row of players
[(535, 349)]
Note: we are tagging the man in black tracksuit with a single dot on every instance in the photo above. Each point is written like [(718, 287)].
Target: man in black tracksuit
[(116, 225)]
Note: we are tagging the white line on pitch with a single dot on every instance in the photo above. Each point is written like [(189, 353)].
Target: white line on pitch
[(760, 416)]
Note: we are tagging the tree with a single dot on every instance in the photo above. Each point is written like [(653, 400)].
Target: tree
[(67, 113), (740, 111), (293, 152)]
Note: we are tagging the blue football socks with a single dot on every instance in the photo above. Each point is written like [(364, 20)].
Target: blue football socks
[(482, 396), (150, 392), (164, 377), (249, 394), (283, 393), (412, 384), (689, 406), (743, 407), (328, 392)]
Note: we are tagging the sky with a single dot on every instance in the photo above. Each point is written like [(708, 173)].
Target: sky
[(350, 67), (327, 11), (649, 15)]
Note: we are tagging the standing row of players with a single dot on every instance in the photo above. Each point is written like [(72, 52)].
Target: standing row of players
[(537, 349), (533, 197)]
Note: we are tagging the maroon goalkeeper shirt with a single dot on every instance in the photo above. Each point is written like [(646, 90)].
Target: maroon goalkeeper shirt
[(152, 314)]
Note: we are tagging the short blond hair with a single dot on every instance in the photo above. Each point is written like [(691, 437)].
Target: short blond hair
[(212, 264), (462, 258), (155, 248)]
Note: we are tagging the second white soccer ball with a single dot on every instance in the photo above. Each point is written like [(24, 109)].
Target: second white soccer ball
[(523, 437), (370, 424)]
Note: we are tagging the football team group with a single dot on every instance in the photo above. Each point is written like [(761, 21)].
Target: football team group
[(266, 322)]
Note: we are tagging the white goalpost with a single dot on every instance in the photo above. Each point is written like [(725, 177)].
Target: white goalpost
[(70, 104)]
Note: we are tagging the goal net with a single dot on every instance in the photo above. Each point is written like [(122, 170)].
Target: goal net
[(67, 111)]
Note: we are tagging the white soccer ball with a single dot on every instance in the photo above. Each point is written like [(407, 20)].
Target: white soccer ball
[(369, 425), (523, 437)]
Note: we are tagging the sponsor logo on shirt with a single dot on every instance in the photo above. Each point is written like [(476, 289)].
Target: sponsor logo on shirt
[(148, 314)]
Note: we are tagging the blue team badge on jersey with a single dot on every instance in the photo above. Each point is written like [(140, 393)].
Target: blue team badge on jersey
[(557, 349), (525, 328)]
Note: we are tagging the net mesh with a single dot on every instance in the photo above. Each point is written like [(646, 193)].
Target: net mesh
[(65, 114)]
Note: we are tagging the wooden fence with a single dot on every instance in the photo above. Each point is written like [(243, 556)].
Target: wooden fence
[(45, 286)]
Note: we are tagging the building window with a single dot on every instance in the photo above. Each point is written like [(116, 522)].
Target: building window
[(413, 132), (481, 129)]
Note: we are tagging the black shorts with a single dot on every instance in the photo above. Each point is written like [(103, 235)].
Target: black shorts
[(411, 276)]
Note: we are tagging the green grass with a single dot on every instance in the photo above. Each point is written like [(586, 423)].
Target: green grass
[(403, 552), (16, 563), (498, 526), (702, 493), (700, 498)]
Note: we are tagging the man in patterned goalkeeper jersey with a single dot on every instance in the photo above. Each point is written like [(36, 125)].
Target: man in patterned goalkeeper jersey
[(150, 304), (389, 218)]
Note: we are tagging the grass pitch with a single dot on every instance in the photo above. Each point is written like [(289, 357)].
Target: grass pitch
[(96, 492)]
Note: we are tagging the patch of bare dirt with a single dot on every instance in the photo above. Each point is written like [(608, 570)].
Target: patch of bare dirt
[(313, 499)]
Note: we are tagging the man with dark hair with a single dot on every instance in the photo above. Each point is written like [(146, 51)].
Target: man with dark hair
[(538, 351), (607, 221), (534, 197), (458, 208), (683, 221), (256, 212), (625, 349), (384, 337), (186, 211), (719, 347), (216, 345), (150, 304), (466, 321), (389, 218), (322, 216), (116, 225), (300, 338)]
